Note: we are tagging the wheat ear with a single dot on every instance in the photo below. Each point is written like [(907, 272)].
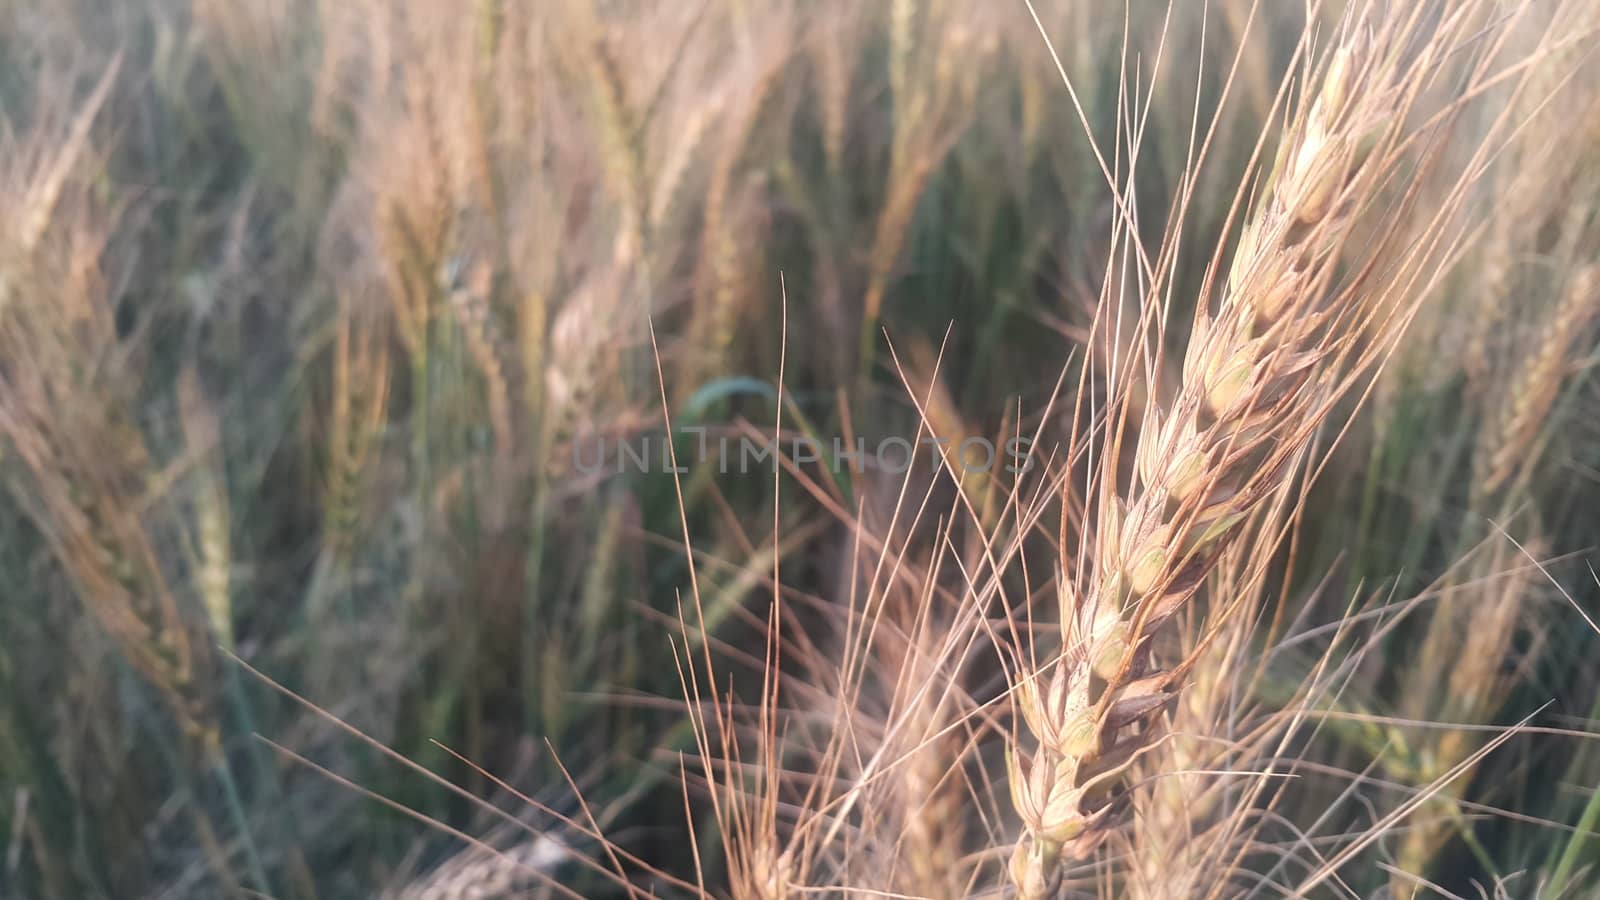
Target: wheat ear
[(1255, 385), (1537, 383)]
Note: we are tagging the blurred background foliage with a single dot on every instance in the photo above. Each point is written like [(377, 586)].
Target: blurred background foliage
[(304, 303)]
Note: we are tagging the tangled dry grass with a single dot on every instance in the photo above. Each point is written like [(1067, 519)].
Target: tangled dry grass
[(764, 450)]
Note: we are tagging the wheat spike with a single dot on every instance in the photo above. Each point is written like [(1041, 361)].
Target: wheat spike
[(729, 260), (1536, 384), (1471, 637), (1254, 387), (470, 301), (215, 569), (356, 420)]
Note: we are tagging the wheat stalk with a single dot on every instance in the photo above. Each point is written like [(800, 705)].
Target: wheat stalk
[(1256, 383)]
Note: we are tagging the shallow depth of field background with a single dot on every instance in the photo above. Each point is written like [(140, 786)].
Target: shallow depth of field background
[(304, 303)]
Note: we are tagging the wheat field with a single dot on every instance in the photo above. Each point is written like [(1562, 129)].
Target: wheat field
[(799, 448)]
